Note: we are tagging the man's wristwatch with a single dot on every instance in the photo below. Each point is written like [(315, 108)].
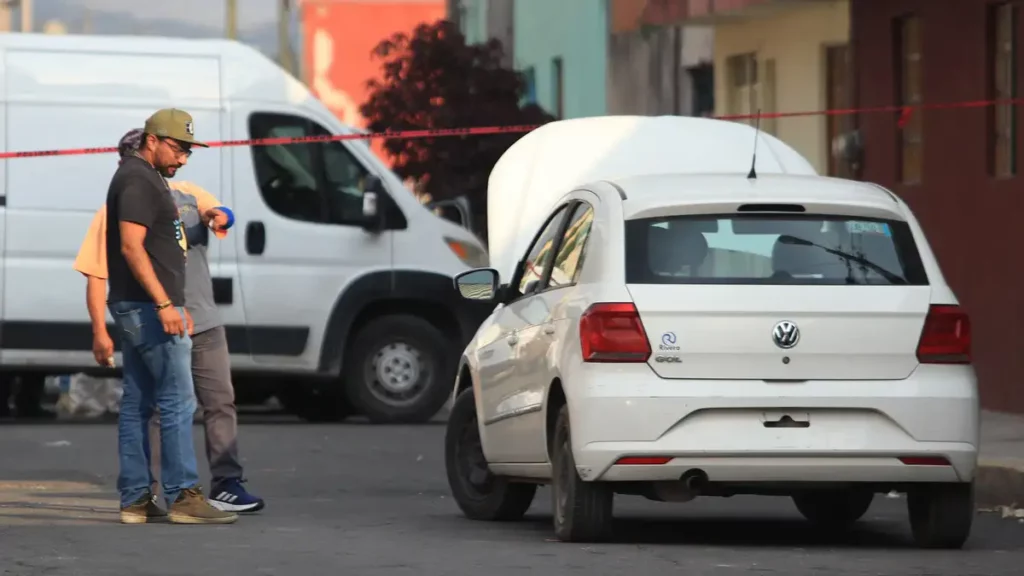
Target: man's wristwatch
[(163, 305)]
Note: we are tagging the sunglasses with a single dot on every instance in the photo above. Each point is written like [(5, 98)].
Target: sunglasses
[(173, 145)]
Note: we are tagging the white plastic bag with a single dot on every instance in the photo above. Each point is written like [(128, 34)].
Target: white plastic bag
[(84, 396)]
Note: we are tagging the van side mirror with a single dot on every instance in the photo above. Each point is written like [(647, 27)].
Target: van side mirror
[(373, 194), (480, 284)]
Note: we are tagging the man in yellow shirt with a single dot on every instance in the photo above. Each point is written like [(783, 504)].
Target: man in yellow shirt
[(200, 213)]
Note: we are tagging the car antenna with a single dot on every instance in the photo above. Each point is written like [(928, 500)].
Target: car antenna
[(752, 175)]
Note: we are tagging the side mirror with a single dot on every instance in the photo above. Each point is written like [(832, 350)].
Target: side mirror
[(480, 284), (373, 193)]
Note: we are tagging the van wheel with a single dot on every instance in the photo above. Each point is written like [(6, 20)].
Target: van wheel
[(941, 514), (399, 369), (582, 510), (316, 402), (833, 510), (480, 494)]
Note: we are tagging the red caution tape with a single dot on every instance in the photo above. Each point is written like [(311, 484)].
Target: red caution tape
[(905, 113)]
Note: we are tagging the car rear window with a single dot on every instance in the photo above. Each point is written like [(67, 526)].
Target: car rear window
[(771, 249)]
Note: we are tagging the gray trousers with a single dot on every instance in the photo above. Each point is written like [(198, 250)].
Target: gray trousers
[(211, 372)]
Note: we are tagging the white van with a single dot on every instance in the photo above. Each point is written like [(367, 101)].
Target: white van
[(360, 304)]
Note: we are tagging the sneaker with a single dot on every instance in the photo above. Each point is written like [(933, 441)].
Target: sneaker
[(192, 508), (145, 510), (231, 496)]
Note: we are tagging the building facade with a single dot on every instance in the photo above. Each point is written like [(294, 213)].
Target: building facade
[(958, 168), (337, 39), (777, 56), (483, 20), (655, 70), (561, 47)]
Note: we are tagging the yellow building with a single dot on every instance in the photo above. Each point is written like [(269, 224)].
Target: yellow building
[(780, 56)]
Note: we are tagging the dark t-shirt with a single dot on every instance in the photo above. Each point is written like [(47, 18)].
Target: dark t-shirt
[(138, 194)]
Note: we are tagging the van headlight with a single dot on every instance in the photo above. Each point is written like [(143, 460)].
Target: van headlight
[(472, 255)]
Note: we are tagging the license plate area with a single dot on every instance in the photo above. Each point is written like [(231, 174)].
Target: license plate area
[(785, 419)]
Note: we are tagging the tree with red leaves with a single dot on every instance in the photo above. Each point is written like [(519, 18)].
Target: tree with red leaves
[(433, 80)]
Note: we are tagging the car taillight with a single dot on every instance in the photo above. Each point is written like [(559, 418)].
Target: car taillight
[(613, 332), (946, 337)]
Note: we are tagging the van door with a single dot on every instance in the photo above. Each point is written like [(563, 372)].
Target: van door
[(299, 233)]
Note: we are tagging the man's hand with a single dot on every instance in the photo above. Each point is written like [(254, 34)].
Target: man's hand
[(103, 349), (189, 324), (216, 219), (172, 321)]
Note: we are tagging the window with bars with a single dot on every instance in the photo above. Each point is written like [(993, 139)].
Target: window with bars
[(909, 66), (1003, 87)]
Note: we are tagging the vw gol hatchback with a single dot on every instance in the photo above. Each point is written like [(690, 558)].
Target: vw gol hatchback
[(682, 336)]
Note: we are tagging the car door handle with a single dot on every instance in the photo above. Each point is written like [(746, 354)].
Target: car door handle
[(255, 238), (512, 340), (549, 330)]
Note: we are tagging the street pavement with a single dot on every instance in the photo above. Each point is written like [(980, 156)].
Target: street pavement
[(373, 500)]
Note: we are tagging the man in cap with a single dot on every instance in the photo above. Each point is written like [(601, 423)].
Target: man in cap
[(146, 245), (200, 213)]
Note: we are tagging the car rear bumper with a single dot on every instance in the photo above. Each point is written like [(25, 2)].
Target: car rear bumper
[(857, 431)]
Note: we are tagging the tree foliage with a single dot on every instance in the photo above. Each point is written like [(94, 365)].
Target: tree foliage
[(433, 80)]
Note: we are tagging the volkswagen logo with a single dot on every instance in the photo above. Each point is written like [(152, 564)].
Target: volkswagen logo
[(786, 334)]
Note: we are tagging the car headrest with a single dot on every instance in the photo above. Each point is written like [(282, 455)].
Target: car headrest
[(669, 250)]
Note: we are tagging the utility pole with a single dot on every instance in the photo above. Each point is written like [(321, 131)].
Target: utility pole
[(231, 25), (284, 36)]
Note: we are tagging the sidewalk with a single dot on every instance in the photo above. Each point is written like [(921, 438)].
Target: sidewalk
[(1000, 480)]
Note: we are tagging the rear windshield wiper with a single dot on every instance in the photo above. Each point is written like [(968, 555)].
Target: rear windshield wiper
[(892, 278)]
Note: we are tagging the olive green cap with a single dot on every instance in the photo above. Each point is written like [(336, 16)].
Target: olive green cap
[(173, 123)]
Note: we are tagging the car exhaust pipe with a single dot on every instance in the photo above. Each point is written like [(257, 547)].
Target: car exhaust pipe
[(695, 480)]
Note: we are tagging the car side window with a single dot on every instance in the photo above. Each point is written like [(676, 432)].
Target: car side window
[(315, 182), (541, 254), (569, 260)]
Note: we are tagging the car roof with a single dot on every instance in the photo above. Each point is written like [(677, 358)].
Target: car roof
[(657, 192)]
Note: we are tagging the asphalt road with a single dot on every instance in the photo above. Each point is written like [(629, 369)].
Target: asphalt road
[(362, 500)]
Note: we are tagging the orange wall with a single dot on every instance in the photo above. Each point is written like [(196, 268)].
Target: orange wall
[(338, 37)]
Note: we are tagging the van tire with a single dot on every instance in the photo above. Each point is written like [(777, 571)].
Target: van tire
[(399, 369)]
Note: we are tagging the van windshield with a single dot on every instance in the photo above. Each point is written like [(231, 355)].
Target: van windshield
[(770, 249)]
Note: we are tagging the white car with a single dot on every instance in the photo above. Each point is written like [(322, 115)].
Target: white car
[(671, 336)]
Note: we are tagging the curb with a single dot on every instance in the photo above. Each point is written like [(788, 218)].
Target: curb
[(999, 483)]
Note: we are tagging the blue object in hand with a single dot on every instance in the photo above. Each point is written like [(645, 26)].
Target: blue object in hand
[(227, 212)]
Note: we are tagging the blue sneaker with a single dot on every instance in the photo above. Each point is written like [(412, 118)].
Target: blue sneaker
[(231, 496)]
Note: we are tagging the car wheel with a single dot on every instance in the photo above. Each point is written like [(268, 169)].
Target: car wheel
[(582, 510), (316, 402), (480, 494), (941, 514), (399, 369), (833, 509)]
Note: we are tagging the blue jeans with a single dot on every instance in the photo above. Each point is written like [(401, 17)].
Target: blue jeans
[(157, 370)]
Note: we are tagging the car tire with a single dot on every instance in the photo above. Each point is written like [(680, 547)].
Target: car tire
[(941, 515), (480, 494), (833, 510), (318, 403), (399, 370), (582, 510)]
